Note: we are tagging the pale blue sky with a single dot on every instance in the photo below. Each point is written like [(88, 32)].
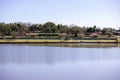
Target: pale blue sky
[(103, 13)]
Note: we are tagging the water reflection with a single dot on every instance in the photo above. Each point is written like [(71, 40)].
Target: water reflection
[(47, 62), (78, 45), (26, 54)]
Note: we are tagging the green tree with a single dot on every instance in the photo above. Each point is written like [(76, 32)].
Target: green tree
[(2, 30), (75, 30), (50, 27), (91, 30), (7, 30), (62, 28), (105, 31)]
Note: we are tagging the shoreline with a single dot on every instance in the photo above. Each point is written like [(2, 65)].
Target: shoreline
[(20, 41)]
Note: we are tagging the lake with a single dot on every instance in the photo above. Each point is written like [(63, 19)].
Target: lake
[(78, 61)]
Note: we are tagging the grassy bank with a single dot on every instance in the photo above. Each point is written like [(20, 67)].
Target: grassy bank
[(57, 41)]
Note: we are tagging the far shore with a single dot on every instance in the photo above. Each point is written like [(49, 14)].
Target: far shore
[(116, 40)]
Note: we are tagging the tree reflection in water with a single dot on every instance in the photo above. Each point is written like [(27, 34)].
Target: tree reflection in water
[(26, 54)]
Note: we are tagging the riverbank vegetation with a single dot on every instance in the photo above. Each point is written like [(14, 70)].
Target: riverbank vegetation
[(50, 30)]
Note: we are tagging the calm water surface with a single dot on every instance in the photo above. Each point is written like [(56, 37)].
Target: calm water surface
[(59, 61)]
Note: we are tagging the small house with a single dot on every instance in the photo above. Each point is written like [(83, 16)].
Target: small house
[(32, 34)]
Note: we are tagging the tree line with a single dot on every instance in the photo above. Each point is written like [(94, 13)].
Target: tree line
[(19, 28)]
